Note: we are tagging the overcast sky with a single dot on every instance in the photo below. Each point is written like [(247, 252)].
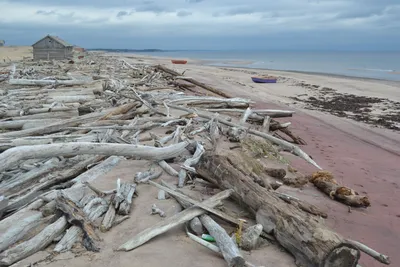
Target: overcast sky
[(206, 24)]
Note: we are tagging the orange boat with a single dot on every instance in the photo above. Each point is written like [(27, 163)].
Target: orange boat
[(178, 61)]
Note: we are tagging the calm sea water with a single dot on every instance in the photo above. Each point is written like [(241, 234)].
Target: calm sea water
[(378, 65)]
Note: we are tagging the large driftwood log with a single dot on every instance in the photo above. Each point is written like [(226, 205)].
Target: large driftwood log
[(11, 156), (171, 222), (226, 245), (311, 243), (37, 243)]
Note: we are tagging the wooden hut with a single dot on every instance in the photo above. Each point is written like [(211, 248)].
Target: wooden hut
[(2, 42), (52, 47)]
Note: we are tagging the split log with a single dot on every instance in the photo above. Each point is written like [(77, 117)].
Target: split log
[(73, 234), (27, 82), (193, 81), (310, 242), (228, 248), (109, 218), (123, 198), (325, 181), (76, 216), (13, 155), (37, 243), (171, 222)]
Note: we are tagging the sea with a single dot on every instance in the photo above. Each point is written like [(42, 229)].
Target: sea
[(375, 65)]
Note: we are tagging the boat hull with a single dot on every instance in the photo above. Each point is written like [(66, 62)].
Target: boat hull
[(177, 61), (264, 80)]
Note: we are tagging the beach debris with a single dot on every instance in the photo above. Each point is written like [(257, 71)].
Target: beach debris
[(325, 181), (156, 210), (63, 126)]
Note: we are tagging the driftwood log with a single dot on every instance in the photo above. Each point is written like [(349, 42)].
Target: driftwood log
[(311, 243), (15, 154), (228, 248), (171, 222), (193, 81), (35, 244), (76, 216)]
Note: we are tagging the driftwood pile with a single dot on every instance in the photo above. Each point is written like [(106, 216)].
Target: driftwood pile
[(64, 124)]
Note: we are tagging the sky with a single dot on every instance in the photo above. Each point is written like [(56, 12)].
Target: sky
[(206, 24)]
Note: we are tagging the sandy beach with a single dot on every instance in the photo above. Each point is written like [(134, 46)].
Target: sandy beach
[(362, 155), (351, 127)]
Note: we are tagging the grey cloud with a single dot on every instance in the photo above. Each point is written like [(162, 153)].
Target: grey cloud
[(194, 1), (242, 10), (43, 12), (151, 7), (183, 13), (122, 14)]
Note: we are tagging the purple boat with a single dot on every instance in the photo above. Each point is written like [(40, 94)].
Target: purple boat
[(268, 79)]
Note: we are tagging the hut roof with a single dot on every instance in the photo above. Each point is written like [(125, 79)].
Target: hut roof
[(55, 38)]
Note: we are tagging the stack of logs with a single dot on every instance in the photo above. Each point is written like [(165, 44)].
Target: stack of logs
[(62, 130)]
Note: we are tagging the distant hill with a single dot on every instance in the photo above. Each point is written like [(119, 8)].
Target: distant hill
[(125, 50)]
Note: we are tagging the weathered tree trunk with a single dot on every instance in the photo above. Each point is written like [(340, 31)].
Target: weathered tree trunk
[(310, 242), (15, 154), (37, 243)]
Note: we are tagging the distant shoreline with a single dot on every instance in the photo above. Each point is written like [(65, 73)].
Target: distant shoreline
[(234, 64)]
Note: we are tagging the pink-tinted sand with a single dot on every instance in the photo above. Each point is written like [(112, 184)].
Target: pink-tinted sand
[(363, 166)]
